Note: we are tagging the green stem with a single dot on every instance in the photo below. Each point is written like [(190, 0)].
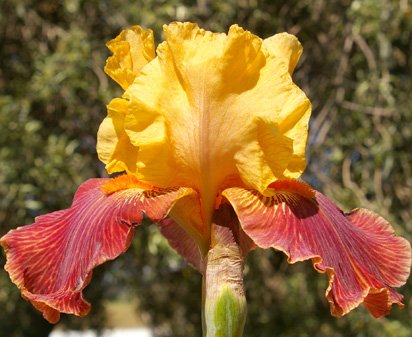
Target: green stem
[(224, 302)]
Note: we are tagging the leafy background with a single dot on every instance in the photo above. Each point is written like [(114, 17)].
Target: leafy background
[(356, 69)]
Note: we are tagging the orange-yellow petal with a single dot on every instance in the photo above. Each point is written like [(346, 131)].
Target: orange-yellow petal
[(132, 49), (187, 212), (113, 144), (51, 261), (359, 251), (214, 106)]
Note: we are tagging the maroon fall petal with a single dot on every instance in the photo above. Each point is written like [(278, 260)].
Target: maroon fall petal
[(359, 251), (51, 261)]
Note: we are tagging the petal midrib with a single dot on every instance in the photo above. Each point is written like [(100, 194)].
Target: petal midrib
[(207, 164)]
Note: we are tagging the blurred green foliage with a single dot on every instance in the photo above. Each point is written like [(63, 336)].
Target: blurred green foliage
[(356, 69)]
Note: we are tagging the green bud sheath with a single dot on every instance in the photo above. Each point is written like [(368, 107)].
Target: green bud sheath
[(224, 301)]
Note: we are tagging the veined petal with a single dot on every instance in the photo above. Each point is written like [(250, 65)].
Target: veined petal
[(132, 49), (182, 242), (51, 261), (227, 229), (213, 106), (359, 251)]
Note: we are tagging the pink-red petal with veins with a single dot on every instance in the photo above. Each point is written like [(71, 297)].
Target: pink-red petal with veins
[(359, 251), (51, 261), (182, 243), (225, 216)]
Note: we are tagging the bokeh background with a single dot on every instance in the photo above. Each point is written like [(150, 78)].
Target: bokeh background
[(356, 69)]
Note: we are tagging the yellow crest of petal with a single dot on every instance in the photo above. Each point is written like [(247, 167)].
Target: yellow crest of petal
[(211, 109), (132, 49)]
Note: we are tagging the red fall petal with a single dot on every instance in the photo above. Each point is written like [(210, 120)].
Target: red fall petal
[(51, 261), (182, 242), (359, 251)]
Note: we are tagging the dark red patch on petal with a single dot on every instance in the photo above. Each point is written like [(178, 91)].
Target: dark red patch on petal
[(359, 251), (51, 261)]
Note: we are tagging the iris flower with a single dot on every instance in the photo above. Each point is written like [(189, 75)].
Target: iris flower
[(210, 134)]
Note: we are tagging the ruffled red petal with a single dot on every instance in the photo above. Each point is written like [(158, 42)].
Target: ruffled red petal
[(51, 261), (359, 251)]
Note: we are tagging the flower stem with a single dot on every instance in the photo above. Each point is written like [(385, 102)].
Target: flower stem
[(224, 301)]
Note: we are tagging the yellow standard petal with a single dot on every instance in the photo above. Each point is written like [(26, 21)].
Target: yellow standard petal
[(113, 143), (214, 110), (132, 49)]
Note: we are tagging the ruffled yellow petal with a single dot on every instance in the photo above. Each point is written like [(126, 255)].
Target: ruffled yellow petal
[(212, 107), (295, 125), (284, 111), (132, 49), (113, 144), (284, 46)]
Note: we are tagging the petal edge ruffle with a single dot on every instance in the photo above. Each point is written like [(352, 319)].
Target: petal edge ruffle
[(359, 251), (211, 106), (132, 49), (51, 261)]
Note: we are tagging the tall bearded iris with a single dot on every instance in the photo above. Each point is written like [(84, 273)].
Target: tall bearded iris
[(211, 134)]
